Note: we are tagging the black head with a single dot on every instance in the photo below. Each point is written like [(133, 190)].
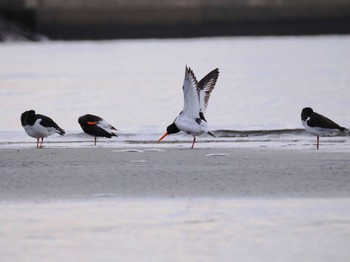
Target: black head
[(23, 118), (82, 121), (89, 119), (29, 117), (306, 112), (172, 129)]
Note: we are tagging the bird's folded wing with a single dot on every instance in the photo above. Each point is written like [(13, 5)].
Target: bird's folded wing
[(105, 126), (317, 120)]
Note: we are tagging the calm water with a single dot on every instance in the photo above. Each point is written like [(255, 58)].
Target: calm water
[(177, 230), (136, 85)]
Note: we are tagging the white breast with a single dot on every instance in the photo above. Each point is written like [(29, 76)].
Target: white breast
[(190, 126)]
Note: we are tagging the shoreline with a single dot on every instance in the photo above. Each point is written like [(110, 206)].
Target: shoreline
[(161, 172)]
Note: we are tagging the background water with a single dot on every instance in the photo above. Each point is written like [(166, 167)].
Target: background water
[(136, 85)]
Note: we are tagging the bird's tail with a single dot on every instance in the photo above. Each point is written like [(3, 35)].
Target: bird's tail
[(210, 133), (345, 131), (60, 131)]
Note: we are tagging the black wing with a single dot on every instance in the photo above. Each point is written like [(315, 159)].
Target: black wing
[(205, 87), (95, 130), (317, 120), (48, 122)]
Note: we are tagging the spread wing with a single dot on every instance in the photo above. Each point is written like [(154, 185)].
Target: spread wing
[(205, 87), (191, 95)]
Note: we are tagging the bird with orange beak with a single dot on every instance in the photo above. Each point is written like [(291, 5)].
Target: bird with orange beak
[(96, 127), (192, 120)]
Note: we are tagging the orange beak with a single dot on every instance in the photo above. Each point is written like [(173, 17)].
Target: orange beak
[(160, 139), (91, 123)]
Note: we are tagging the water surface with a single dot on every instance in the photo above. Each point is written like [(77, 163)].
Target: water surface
[(136, 85)]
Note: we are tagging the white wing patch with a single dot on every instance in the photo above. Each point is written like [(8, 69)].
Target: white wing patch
[(106, 126)]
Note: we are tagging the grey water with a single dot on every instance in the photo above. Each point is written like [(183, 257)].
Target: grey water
[(136, 85)]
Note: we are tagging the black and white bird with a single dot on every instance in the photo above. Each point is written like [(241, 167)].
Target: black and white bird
[(317, 124), (192, 120), (39, 126), (96, 126)]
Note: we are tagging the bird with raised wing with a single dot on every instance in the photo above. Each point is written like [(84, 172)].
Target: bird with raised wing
[(191, 119)]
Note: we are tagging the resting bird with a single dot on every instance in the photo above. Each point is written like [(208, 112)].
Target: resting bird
[(192, 120), (317, 124), (96, 126), (39, 126)]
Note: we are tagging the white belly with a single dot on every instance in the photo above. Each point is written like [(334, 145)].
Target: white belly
[(190, 126), (39, 131), (316, 131)]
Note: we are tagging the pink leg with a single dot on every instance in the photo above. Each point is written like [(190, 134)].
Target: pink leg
[(42, 141), (37, 143), (318, 142), (194, 141)]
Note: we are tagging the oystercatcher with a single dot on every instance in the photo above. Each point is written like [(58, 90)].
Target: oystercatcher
[(317, 124), (39, 126), (191, 119), (96, 126)]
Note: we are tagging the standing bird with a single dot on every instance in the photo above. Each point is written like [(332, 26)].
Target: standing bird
[(39, 126), (191, 119), (96, 126), (317, 124)]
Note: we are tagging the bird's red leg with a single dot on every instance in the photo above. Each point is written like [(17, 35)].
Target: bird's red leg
[(194, 141), (42, 141), (318, 142)]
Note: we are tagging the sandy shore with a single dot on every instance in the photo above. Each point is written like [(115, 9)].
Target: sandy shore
[(31, 174), (174, 204)]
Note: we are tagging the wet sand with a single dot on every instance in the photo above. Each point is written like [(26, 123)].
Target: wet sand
[(174, 204), (31, 174)]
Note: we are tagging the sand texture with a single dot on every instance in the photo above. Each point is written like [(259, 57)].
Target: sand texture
[(31, 174)]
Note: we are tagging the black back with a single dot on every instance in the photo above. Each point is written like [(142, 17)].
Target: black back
[(29, 118), (317, 120), (93, 129)]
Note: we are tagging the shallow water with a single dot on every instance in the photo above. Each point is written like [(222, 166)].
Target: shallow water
[(176, 230), (264, 83)]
